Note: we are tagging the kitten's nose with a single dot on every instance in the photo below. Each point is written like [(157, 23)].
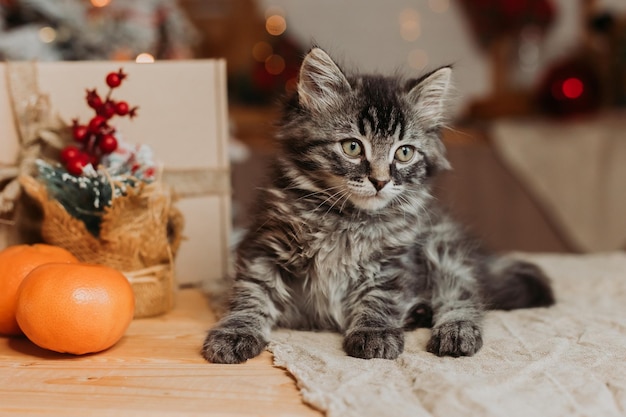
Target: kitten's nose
[(378, 184)]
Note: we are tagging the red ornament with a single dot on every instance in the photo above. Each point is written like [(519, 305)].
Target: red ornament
[(121, 108), (572, 88), (569, 88), (107, 144)]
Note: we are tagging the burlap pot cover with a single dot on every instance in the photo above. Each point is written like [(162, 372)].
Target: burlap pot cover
[(139, 236)]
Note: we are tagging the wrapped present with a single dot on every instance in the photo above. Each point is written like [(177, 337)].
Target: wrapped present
[(182, 116)]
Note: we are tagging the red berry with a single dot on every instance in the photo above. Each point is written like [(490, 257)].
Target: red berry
[(84, 157), (68, 153), (114, 79), (121, 108), (96, 123), (94, 160), (75, 165), (108, 109), (80, 132), (108, 143), (93, 99)]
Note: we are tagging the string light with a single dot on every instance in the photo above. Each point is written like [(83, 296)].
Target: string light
[(144, 58)]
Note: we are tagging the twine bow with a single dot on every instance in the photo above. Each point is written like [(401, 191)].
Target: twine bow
[(146, 275), (38, 128)]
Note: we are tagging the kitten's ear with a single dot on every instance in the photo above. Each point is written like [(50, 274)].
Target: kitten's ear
[(429, 95), (321, 82)]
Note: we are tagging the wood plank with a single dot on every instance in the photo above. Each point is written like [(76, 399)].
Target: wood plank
[(155, 370)]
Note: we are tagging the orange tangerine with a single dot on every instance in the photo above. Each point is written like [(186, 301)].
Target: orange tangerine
[(15, 263), (75, 308)]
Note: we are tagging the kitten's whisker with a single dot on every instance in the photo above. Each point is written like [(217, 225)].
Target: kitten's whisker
[(345, 197), (345, 201), (342, 193), (326, 200), (324, 192)]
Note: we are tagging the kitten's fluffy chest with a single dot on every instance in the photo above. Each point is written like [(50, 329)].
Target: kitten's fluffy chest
[(333, 265), (335, 258)]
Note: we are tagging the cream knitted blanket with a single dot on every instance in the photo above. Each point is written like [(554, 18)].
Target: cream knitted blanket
[(567, 360)]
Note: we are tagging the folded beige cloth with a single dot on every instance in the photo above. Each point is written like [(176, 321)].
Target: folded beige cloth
[(567, 360), (576, 171)]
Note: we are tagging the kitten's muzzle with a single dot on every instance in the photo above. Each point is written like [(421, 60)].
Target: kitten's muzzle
[(378, 184)]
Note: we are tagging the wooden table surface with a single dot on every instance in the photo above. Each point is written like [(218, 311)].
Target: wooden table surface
[(155, 370)]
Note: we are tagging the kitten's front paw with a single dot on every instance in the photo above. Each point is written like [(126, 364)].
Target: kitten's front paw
[(457, 338), (374, 343), (225, 345)]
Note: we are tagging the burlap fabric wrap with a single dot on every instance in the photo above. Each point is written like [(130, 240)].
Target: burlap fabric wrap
[(139, 236), (140, 232), (39, 129)]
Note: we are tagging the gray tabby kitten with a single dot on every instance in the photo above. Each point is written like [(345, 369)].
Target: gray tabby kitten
[(347, 237)]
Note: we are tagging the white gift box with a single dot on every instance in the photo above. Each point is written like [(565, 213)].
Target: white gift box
[(182, 115)]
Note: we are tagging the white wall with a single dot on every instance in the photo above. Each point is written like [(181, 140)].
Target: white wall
[(366, 34)]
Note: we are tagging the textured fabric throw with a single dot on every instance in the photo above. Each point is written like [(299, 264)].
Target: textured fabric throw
[(569, 359)]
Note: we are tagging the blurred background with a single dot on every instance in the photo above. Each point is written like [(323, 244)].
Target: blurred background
[(536, 138)]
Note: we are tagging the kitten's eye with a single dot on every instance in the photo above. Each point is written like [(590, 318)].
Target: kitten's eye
[(405, 153), (352, 148)]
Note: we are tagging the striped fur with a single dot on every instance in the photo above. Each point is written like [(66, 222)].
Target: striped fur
[(347, 236)]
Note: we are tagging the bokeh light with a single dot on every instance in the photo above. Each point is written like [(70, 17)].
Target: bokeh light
[(100, 3), (144, 58), (275, 64), (276, 25), (410, 28), (572, 88), (262, 50), (47, 34)]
